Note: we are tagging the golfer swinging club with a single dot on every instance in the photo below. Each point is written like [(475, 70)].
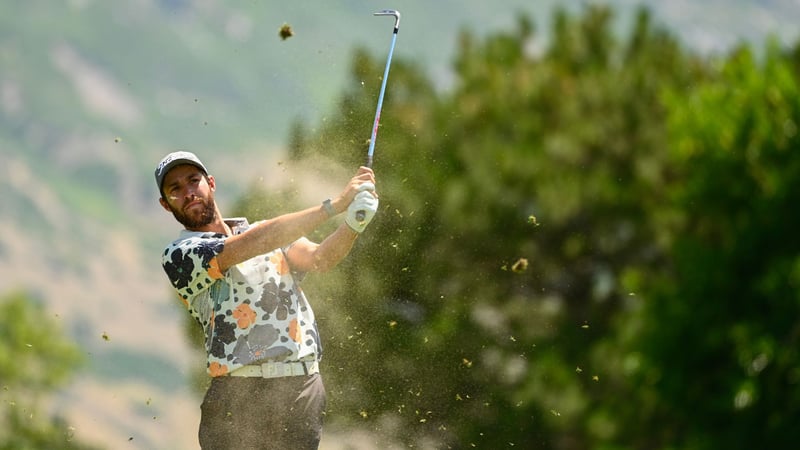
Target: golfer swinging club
[(241, 283)]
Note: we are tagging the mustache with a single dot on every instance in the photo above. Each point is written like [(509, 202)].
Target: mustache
[(193, 200)]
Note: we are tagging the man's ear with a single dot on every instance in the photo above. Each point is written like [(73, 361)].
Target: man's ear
[(211, 183), (164, 204)]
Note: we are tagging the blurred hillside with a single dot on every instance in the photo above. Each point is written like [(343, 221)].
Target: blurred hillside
[(92, 93)]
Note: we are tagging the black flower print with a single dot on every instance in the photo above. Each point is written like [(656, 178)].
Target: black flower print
[(187, 266), (208, 249), (222, 334), (269, 299), (285, 303), (179, 268)]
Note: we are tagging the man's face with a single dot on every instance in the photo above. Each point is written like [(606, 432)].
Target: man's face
[(189, 194)]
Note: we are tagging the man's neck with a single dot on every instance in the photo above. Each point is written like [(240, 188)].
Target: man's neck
[(218, 226)]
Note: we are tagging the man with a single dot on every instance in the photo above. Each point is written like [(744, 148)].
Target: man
[(241, 283)]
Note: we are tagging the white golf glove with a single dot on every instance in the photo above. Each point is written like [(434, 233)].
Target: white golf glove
[(366, 202)]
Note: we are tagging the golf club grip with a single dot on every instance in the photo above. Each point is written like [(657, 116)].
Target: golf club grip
[(361, 214)]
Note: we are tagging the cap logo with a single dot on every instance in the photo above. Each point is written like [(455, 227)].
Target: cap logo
[(166, 161)]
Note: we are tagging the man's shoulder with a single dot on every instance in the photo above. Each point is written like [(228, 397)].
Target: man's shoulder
[(189, 238)]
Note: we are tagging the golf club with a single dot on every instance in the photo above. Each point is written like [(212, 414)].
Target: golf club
[(360, 215)]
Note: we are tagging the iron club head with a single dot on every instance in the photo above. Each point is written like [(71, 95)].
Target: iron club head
[(391, 12)]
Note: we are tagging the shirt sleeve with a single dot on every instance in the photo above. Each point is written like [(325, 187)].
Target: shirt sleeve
[(298, 275), (191, 264)]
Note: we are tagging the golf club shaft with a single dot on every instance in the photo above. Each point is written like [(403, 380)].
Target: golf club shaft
[(360, 215), (380, 100)]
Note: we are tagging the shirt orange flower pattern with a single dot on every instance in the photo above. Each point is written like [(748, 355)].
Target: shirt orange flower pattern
[(252, 312)]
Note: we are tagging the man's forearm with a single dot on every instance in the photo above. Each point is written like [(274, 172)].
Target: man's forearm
[(269, 235), (334, 248)]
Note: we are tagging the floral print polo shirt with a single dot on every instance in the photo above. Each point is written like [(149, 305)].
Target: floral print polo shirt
[(253, 312)]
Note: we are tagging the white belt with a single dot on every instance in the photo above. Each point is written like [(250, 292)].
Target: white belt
[(277, 369)]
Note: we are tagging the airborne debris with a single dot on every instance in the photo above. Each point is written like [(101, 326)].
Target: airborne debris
[(286, 31), (520, 266)]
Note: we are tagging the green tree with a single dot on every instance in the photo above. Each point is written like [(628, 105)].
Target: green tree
[(721, 371), (35, 359)]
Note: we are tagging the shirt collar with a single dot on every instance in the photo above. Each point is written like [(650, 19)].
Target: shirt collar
[(237, 224)]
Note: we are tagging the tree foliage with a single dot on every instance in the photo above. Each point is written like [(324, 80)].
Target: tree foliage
[(34, 360), (590, 246), (731, 294)]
